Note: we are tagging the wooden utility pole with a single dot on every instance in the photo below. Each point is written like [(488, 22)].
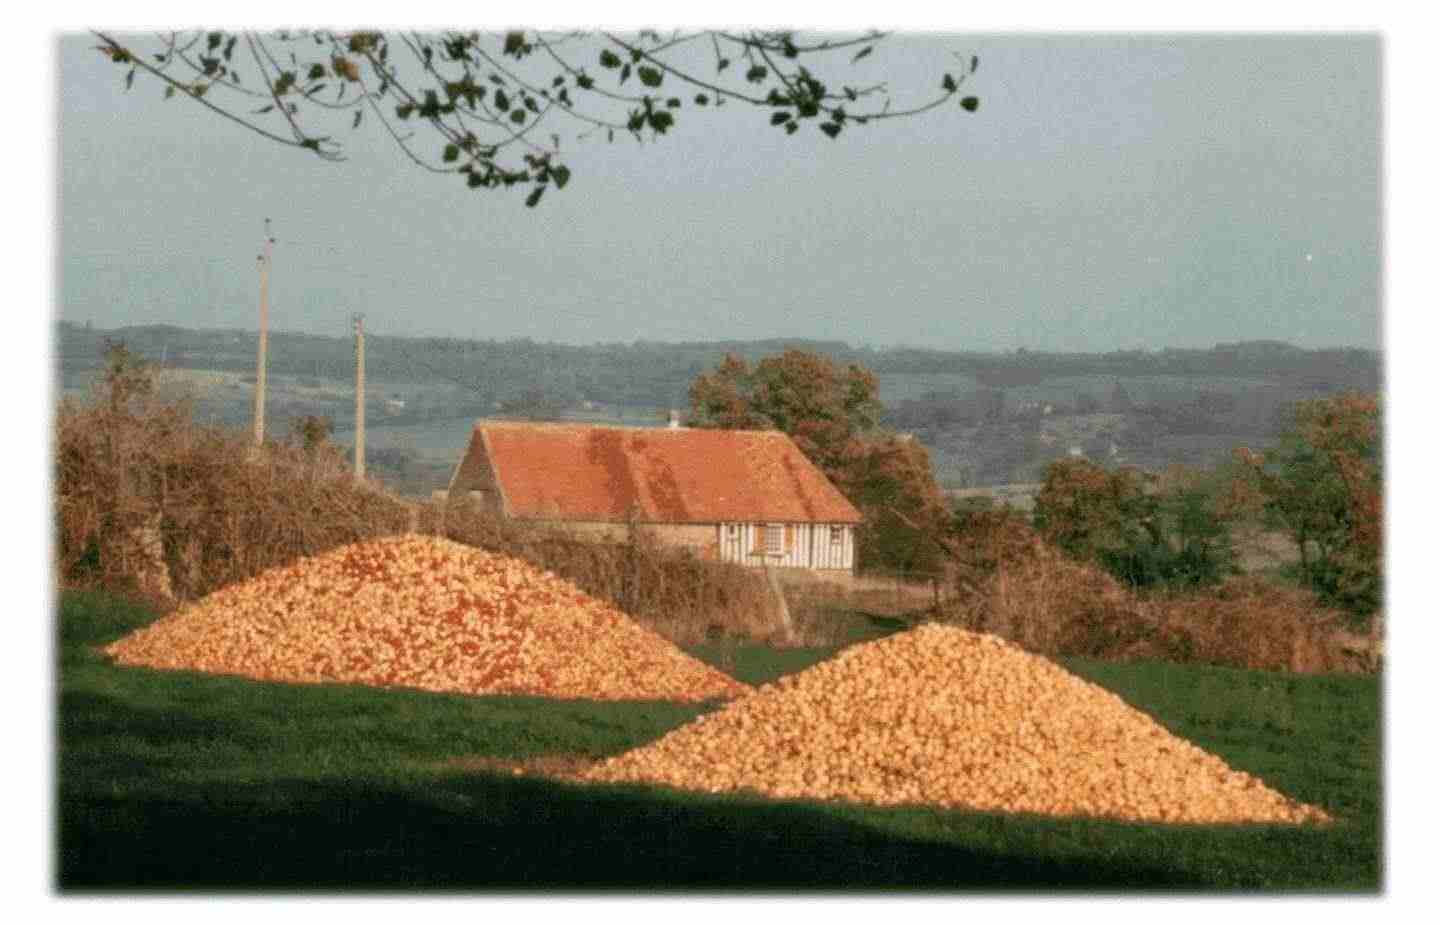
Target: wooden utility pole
[(264, 260), (359, 397)]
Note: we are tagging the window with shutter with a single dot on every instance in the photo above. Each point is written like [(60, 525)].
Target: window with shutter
[(774, 540)]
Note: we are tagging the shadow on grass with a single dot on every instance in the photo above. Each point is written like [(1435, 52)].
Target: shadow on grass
[(487, 831), (134, 815), (170, 782)]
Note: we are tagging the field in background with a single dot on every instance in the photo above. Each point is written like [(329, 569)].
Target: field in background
[(182, 781)]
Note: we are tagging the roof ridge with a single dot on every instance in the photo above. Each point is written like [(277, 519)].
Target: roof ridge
[(661, 427), (704, 475)]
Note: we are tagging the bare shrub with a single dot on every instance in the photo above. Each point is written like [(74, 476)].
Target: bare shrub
[(1255, 624), (1055, 606), (984, 541), (832, 611), (151, 502), (669, 590)]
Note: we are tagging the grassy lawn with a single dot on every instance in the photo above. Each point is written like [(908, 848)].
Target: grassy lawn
[(168, 781)]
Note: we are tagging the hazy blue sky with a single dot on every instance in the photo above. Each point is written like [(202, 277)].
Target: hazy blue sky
[(1110, 192)]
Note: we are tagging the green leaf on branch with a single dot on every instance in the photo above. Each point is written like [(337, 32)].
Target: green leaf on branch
[(970, 103), (830, 128), (756, 73), (452, 152), (534, 197), (948, 84), (561, 173), (650, 76), (779, 118), (609, 59), (862, 53)]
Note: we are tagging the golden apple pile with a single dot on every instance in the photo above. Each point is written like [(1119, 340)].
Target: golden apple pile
[(946, 717), (423, 612)]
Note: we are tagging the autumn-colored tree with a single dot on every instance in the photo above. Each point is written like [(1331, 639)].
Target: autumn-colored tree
[(1087, 510), (1197, 517), (312, 430), (127, 376), (722, 398), (984, 539), (892, 482), (831, 413), (1322, 486), (1170, 530)]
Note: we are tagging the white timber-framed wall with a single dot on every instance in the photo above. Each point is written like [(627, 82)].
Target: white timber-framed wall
[(821, 546)]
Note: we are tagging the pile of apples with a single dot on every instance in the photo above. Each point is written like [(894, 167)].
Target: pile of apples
[(423, 612), (946, 717)]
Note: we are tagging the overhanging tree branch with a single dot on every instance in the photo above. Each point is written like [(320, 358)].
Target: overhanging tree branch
[(487, 104)]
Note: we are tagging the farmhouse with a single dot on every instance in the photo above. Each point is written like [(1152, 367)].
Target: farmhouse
[(736, 496)]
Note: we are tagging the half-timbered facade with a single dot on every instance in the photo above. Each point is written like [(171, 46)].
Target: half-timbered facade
[(749, 497)]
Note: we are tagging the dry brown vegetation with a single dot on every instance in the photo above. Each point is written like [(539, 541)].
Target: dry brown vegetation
[(1027, 591), (151, 503), (682, 597), (147, 500)]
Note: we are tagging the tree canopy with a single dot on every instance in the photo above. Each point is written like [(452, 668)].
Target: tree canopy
[(1322, 484), (1173, 529), (485, 106), (831, 412)]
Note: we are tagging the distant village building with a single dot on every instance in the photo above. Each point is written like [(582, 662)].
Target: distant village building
[(749, 497)]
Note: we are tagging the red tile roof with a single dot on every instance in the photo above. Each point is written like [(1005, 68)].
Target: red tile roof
[(662, 475)]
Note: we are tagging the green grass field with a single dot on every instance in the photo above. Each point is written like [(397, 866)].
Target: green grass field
[(175, 781)]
